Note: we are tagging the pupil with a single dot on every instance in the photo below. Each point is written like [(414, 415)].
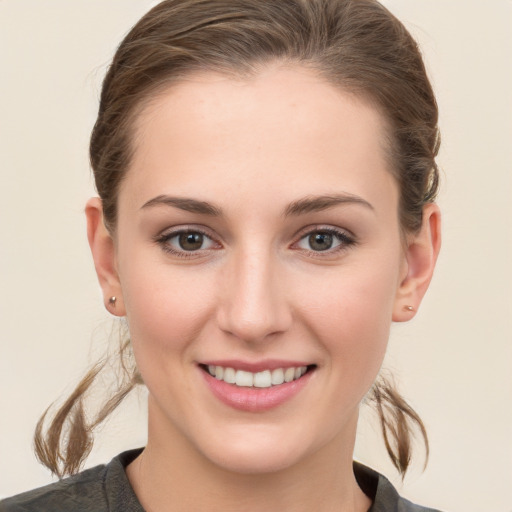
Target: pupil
[(320, 241), (191, 241)]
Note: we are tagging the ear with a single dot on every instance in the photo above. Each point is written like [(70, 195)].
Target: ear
[(104, 256), (421, 255)]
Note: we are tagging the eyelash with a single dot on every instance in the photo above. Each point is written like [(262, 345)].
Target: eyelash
[(163, 241), (345, 241)]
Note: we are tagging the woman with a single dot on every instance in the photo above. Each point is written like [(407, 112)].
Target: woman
[(266, 173)]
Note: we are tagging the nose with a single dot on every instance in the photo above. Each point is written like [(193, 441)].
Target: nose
[(253, 303)]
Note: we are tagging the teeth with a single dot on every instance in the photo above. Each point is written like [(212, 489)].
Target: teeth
[(244, 379), (277, 376), (229, 375), (264, 379), (289, 374)]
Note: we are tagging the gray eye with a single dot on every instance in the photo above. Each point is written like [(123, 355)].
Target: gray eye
[(320, 241)]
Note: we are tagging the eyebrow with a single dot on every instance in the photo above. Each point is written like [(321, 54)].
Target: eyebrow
[(185, 203), (308, 204), (319, 203)]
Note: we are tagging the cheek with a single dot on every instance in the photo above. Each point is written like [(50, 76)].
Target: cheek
[(165, 316), (165, 309), (350, 314)]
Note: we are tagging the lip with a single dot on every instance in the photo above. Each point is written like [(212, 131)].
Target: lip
[(256, 366), (254, 399)]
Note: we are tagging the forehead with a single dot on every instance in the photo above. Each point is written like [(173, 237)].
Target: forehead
[(283, 127)]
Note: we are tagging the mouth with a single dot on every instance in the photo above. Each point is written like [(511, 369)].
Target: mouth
[(266, 378)]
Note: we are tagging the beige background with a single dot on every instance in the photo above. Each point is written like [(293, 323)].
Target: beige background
[(454, 361)]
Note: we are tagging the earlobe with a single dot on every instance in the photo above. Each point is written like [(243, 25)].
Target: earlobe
[(104, 256), (421, 256)]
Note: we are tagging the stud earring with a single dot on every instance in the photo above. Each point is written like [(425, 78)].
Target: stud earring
[(408, 308), (112, 301)]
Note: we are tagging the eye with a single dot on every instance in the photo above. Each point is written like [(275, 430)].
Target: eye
[(185, 242), (189, 241), (325, 240)]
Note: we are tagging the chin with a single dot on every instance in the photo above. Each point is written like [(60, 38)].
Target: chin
[(262, 450), (255, 460)]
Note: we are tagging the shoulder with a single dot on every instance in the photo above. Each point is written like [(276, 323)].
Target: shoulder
[(384, 495), (102, 488), (84, 490)]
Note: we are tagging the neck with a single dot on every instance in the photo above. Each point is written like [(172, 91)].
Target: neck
[(172, 475)]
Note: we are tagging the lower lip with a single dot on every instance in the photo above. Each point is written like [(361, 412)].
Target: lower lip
[(252, 399)]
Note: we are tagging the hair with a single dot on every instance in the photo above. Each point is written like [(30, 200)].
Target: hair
[(357, 45)]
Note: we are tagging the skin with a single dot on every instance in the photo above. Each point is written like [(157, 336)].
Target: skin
[(257, 289)]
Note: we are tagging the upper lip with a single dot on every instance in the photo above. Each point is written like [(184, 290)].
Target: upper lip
[(255, 366)]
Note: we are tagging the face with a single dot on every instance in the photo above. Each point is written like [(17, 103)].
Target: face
[(259, 256)]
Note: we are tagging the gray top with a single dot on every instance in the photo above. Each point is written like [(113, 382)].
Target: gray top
[(106, 488)]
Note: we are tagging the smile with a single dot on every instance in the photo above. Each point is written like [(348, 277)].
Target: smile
[(269, 385), (261, 379)]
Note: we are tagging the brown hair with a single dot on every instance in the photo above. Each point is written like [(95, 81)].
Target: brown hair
[(357, 45)]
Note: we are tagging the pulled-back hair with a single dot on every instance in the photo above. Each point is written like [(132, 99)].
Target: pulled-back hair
[(357, 45)]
